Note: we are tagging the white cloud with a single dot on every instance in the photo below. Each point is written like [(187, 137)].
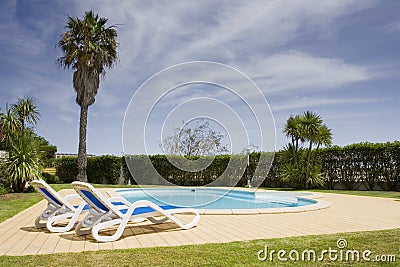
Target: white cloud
[(294, 70), (307, 102)]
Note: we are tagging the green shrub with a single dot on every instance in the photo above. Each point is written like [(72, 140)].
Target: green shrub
[(366, 163), (359, 163), (104, 169), (49, 178), (100, 169), (126, 174), (66, 169), (3, 190)]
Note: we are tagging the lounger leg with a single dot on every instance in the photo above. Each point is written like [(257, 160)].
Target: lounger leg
[(193, 223), (169, 214), (104, 225), (92, 218), (48, 212), (57, 218)]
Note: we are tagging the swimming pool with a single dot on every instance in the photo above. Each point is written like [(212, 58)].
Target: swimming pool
[(219, 199)]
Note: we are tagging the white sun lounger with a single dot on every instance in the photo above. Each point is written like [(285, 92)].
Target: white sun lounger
[(104, 214), (58, 208)]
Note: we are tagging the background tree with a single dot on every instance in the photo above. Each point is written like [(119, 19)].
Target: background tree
[(198, 140), (10, 127), (27, 112), (311, 123), (23, 162), (324, 137), (46, 151), (89, 48), (293, 130), (303, 128)]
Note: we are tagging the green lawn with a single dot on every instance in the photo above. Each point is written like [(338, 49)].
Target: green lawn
[(387, 194), (227, 254), (11, 204)]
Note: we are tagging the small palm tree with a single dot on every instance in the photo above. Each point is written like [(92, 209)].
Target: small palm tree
[(23, 164), (324, 137), (89, 48), (11, 126), (311, 125), (27, 112), (293, 129)]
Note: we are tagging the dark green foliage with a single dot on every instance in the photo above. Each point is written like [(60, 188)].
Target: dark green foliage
[(66, 169), (362, 164), (173, 174), (103, 169), (48, 154), (49, 178), (126, 174), (100, 170), (3, 190), (218, 169), (351, 166)]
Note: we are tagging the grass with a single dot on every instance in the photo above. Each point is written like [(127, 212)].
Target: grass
[(11, 204), (226, 254), (386, 194)]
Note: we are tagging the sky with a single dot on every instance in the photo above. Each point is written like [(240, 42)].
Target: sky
[(339, 59)]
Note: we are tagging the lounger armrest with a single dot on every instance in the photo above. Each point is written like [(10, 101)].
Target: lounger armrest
[(120, 199), (72, 196)]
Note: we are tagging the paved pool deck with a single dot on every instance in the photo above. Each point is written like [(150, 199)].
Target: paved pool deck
[(18, 235)]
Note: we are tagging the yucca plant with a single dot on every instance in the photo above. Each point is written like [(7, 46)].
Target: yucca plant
[(23, 164)]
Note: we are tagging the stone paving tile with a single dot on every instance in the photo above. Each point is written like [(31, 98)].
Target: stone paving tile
[(18, 236)]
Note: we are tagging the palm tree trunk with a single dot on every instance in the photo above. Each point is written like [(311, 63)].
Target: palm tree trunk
[(82, 156), (308, 162), (294, 151)]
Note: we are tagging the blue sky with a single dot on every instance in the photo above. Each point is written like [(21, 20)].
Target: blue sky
[(339, 59)]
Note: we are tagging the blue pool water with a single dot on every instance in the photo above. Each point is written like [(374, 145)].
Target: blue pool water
[(216, 198)]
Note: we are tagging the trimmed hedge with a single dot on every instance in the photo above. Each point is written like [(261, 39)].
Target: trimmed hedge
[(100, 170), (66, 169), (374, 166), (147, 168), (366, 164)]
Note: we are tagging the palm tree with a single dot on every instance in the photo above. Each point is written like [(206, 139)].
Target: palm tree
[(27, 112), (311, 125), (11, 127), (293, 130), (22, 164), (89, 48), (324, 137)]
